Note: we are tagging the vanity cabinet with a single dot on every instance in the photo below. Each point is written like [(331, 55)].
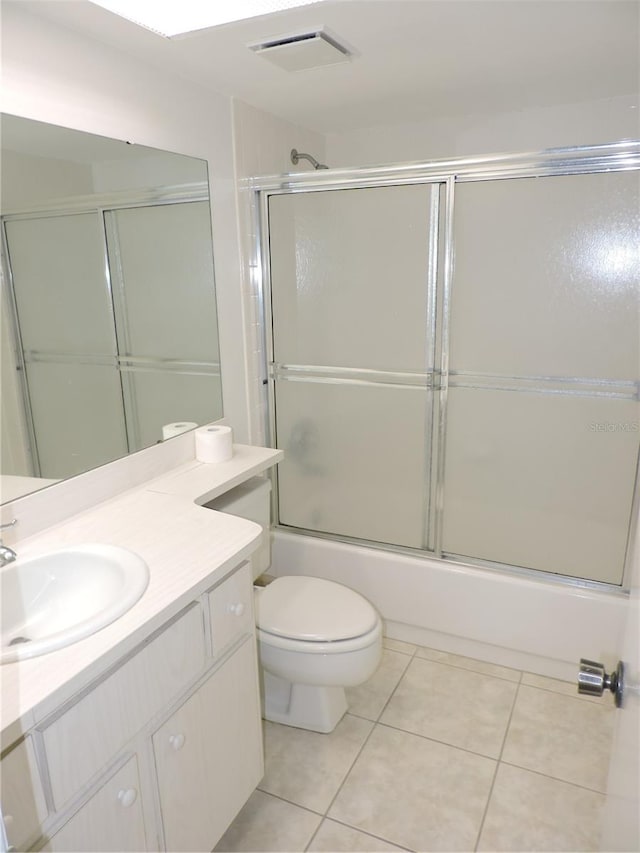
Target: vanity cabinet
[(159, 753), (205, 755)]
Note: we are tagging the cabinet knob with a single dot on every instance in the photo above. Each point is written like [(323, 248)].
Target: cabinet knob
[(177, 741), (127, 797), (237, 609)]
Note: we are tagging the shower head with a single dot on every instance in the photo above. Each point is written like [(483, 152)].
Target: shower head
[(296, 156)]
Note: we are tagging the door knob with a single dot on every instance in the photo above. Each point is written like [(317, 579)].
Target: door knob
[(593, 680)]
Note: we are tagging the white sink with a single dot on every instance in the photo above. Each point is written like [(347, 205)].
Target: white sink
[(59, 598)]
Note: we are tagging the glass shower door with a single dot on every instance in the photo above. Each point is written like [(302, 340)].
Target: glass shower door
[(165, 314), (353, 277), (542, 413), (63, 303), (495, 423)]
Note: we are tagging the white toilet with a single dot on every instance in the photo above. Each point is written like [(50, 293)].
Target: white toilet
[(315, 637)]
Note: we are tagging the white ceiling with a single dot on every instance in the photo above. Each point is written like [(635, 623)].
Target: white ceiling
[(415, 59)]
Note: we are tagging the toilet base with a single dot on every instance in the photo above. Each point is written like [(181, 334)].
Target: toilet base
[(305, 706)]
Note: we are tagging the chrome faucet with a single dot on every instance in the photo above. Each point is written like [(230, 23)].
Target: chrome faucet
[(7, 555)]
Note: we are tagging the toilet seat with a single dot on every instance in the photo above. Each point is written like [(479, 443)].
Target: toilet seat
[(334, 647), (314, 612)]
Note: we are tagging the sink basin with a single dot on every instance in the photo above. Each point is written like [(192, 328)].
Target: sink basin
[(56, 599)]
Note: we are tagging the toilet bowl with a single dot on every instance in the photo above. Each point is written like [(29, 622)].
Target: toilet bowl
[(315, 637)]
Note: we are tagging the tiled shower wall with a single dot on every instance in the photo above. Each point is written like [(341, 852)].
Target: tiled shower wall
[(529, 129)]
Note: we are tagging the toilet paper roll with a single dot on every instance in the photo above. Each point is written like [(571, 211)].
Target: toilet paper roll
[(169, 430), (214, 444)]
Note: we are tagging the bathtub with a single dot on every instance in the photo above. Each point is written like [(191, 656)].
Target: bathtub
[(536, 625)]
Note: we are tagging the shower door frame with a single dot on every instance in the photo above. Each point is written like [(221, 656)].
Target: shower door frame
[(613, 157), (104, 205)]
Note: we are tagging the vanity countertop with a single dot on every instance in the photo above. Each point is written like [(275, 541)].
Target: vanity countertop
[(187, 547)]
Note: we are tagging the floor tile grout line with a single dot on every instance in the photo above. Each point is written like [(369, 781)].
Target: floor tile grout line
[(351, 766), (340, 786), (498, 762), (297, 806), (366, 741), (554, 778), (399, 651), (508, 726), (377, 718), (435, 740), (324, 817), (290, 802), (370, 834), (474, 671), (408, 654), (415, 654), (314, 833), (393, 692), (501, 678), (583, 699), (321, 815)]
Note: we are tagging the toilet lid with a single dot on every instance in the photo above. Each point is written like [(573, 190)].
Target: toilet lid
[(313, 609)]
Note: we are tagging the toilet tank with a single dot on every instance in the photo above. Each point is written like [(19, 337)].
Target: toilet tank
[(251, 500)]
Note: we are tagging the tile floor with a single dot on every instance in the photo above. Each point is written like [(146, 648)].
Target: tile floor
[(437, 752)]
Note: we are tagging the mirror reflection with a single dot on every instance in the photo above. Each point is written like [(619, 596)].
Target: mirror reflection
[(109, 323)]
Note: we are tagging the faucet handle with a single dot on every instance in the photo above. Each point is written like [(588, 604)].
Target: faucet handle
[(11, 523)]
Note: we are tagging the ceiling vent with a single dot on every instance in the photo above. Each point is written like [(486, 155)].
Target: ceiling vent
[(303, 51)]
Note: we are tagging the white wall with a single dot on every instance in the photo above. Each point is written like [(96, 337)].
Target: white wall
[(529, 129), (54, 75), (263, 146)]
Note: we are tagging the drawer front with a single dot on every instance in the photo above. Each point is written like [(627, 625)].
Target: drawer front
[(231, 609), (89, 735), (23, 803), (112, 820)]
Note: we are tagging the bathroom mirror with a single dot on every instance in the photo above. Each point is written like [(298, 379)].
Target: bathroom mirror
[(109, 321)]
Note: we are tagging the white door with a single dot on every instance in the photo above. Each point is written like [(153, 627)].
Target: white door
[(621, 830)]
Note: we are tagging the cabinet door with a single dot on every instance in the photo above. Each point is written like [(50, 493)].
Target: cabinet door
[(23, 802), (209, 755), (111, 820)]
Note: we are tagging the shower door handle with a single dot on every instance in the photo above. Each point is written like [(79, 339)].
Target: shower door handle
[(593, 680)]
